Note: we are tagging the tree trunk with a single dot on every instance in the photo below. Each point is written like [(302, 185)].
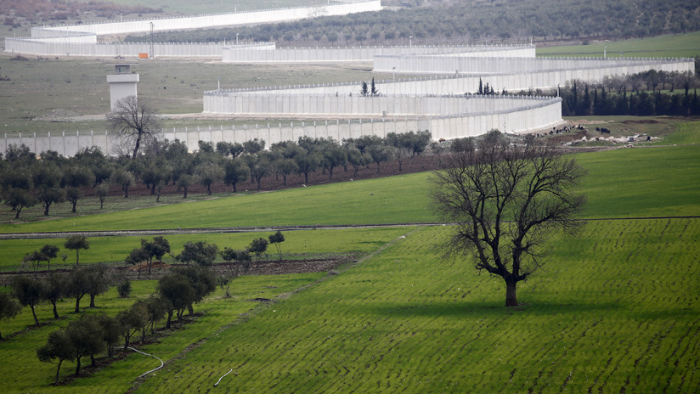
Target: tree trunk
[(511, 298), (92, 300), (74, 203), (77, 257), (137, 145), (58, 371), (77, 304), (102, 203), (36, 320), (46, 209), (92, 360), (18, 211), (209, 189), (170, 318), (77, 366), (234, 186), (55, 311)]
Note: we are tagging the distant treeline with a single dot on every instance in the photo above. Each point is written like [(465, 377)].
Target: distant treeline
[(52, 11), (26, 181), (638, 94), (470, 21)]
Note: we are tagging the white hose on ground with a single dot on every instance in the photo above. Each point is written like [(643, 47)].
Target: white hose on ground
[(218, 381), (153, 370)]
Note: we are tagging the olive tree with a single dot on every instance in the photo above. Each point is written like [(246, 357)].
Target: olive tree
[(258, 246), (77, 242), (199, 252), (276, 239), (9, 307), (29, 292), (58, 347)]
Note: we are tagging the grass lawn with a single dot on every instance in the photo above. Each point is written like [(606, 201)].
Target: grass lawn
[(670, 45)]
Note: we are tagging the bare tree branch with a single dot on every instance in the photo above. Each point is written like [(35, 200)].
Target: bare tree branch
[(506, 198), (136, 123)]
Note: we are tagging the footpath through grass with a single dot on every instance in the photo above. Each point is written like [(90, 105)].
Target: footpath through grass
[(613, 311), (639, 182)]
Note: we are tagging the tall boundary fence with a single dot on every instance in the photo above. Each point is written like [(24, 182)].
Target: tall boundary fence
[(539, 113)]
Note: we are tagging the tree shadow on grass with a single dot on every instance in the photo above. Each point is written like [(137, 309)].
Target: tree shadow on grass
[(487, 308)]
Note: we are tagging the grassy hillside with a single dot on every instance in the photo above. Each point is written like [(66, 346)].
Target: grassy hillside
[(620, 183), (616, 310)]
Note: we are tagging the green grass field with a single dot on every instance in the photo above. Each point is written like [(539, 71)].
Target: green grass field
[(616, 310), (643, 182), (22, 372), (680, 45)]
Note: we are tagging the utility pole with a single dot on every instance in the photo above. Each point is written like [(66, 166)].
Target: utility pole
[(152, 54)]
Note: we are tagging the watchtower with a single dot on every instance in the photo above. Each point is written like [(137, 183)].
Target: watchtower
[(122, 83)]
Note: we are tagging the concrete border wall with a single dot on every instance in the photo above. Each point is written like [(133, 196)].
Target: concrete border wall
[(422, 64), (57, 48), (275, 104), (75, 40), (214, 20), (237, 54), (538, 113)]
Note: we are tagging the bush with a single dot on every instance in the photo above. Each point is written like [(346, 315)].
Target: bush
[(124, 289)]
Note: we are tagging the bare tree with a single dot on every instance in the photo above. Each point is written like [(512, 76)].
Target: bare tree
[(135, 122), (505, 199)]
